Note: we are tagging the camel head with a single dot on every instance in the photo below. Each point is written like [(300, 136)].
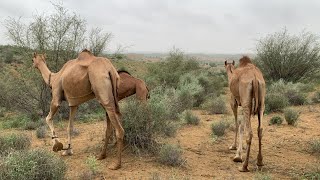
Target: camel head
[(37, 59), (229, 66)]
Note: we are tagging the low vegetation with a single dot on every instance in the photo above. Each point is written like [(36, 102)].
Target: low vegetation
[(171, 155), (189, 118), (315, 145), (215, 105), (34, 164), (219, 128), (13, 142), (276, 120), (291, 116)]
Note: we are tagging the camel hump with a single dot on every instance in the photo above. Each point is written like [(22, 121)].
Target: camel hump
[(85, 54), (244, 61)]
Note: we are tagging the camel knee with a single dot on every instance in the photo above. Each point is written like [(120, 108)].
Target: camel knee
[(120, 134), (249, 139)]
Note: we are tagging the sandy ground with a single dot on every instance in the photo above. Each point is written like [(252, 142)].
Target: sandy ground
[(285, 150)]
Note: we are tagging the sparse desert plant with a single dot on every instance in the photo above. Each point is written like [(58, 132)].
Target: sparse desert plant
[(276, 120), (315, 145), (34, 164), (41, 132), (92, 164), (291, 116), (215, 105), (219, 128), (13, 142), (188, 117), (276, 102), (171, 155), (312, 173), (262, 176), (316, 97), (296, 97)]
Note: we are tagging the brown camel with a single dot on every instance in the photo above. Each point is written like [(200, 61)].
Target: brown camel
[(78, 81), (130, 85), (247, 88)]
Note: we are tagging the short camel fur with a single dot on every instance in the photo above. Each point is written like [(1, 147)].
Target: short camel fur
[(78, 81), (130, 85), (247, 88)]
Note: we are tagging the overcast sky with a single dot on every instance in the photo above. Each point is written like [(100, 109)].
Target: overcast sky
[(198, 26)]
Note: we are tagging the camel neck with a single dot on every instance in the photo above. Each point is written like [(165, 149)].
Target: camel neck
[(229, 74), (45, 72)]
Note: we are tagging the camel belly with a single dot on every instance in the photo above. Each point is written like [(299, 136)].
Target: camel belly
[(76, 86)]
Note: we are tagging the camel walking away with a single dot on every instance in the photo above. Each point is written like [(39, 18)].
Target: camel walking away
[(247, 88), (78, 81)]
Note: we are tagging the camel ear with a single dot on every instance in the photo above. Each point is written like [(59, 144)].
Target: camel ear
[(225, 62), (34, 54), (233, 62)]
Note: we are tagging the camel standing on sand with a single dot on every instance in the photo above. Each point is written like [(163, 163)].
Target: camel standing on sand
[(78, 81), (130, 85), (247, 88)]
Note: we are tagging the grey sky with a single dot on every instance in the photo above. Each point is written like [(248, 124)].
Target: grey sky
[(207, 26)]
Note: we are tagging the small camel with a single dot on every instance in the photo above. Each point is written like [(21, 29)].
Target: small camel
[(130, 85), (247, 88), (78, 81)]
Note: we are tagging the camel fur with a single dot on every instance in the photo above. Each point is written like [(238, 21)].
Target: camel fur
[(247, 88), (78, 81)]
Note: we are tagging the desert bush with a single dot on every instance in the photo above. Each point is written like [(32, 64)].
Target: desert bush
[(312, 173), (171, 155), (188, 117), (275, 102), (215, 105), (291, 116), (33, 164), (316, 97), (13, 142), (41, 132), (92, 164), (142, 122), (168, 72), (218, 128), (262, 176), (315, 145), (290, 57), (276, 120), (295, 97)]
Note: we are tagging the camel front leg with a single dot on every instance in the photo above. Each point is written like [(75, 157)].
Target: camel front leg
[(57, 145), (234, 106), (73, 110), (238, 157), (247, 117)]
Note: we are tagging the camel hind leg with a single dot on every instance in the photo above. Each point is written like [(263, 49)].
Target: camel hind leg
[(103, 90), (234, 107), (108, 133)]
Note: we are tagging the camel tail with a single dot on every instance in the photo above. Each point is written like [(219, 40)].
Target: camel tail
[(115, 82), (256, 88)]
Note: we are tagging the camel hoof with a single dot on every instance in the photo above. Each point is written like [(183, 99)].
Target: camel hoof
[(67, 152), (101, 156), (114, 166), (58, 146), (237, 159), (243, 169), (232, 147)]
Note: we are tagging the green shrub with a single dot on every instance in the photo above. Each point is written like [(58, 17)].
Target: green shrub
[(13, 142), (288, 56), (92, 164), (276, 120), (315, 145), (171, 155), (215, 105), (190, 118), (41, 132), (262, 176), (33, 164), (316, 97), (291, 116), (295, 97), (219, 128), (312, 173), (275, 102)]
